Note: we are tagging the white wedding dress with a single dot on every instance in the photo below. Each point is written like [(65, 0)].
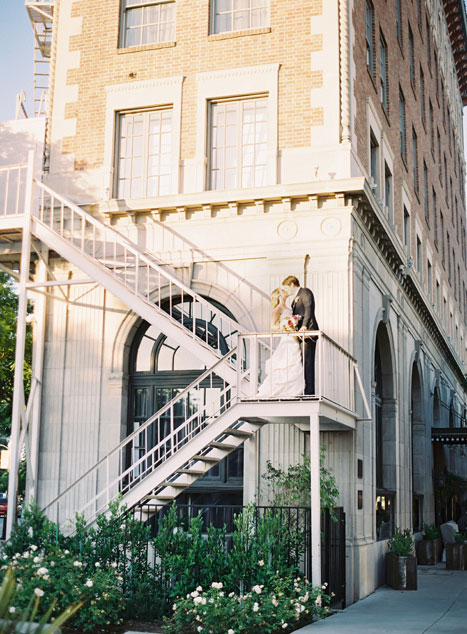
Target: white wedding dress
[(284, 369)]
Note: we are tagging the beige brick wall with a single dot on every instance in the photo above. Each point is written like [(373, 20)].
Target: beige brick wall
[(287, 42)]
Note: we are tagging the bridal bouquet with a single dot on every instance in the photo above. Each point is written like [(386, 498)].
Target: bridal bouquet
[(288, 323)]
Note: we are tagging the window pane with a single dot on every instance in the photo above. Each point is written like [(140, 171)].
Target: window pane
[(132, 37), (142, 158), (154, 22), (134, 17), (223, 22), (241, 20)]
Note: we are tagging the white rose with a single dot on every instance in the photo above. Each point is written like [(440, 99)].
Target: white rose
[(256, 589), (38, 592), (42, 571), (78, 564), (26, 555), (284, 625), (230, 632), (36, 560), (194, 594), (89, 583), (275, 602), (255, 607), (97, 564), (261, 563), (12, 610), (34, 548), (198, 600), (199, 589)]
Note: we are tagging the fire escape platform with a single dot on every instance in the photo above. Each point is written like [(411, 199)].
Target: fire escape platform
[(299, 411)]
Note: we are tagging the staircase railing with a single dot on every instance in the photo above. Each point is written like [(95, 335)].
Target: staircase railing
[(140, 273), (146, 448), (12, 189)]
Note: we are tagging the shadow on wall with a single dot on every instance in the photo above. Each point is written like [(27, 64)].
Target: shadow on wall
[(17, 138)]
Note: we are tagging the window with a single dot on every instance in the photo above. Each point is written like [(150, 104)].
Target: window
[(415, 159), (411, 58), (432, 130), (441, 230), (237, 15), (388, 198), (419, 13), (419, 256), (402, 125), (422, 95), (435, 57), (406, 230), (435, 218), (440, 167), (428, 43), (383, 71), (374, 159), (429, 279), (238, 143), (147, 22), (425, 193), (399, 21), (144, 154), (438, 305), (448, 247), (369, 30)]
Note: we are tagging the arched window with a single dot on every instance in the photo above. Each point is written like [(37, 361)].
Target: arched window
[(159, 370), (385, 439), (418, 448)]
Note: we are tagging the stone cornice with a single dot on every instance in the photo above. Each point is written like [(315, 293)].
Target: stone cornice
[(375, 223)]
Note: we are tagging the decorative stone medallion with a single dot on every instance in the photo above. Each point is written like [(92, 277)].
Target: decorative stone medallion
[(287, 230), (331, 226)]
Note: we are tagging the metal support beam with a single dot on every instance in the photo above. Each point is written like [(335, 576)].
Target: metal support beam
[(315, 499), (18, 385)]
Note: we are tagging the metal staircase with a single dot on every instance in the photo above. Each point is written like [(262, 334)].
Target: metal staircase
[(163, 456)]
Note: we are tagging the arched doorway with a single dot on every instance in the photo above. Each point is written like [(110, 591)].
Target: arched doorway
[(385, 434), (159, 370), (418, 448)]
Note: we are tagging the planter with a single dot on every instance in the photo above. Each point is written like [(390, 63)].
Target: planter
[(429, 551), (456, 555), (401, 572)]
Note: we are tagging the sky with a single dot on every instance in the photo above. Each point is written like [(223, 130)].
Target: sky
[(16, 60)]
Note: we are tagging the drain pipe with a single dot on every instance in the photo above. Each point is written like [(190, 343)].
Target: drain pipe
[(305, 266)]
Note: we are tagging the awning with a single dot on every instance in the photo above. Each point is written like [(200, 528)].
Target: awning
[(449, 435)]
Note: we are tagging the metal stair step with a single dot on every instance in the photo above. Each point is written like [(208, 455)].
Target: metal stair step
[(222, 445), (240, 433), (194, 472), (206, 458), (175, 484), (255, 421), (165, 498)]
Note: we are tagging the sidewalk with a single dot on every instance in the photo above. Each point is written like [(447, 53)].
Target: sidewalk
[(439, 606)]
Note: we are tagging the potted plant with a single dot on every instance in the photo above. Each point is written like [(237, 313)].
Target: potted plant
[(401, 563), (430, 547), (456, 553)]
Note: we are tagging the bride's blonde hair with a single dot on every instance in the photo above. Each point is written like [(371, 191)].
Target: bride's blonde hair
[(275, 302)]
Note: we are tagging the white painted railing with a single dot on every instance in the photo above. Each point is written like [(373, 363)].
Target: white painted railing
[(140, 273), (12, 189), (198, 406), (144, 450), (272, 363)]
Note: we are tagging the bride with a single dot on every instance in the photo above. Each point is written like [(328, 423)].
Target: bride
[(284, 369)]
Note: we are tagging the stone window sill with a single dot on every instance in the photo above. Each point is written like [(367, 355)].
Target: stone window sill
[(230, 34), (145, 47)]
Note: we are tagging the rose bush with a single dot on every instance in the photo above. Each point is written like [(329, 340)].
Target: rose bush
[(282, 607)]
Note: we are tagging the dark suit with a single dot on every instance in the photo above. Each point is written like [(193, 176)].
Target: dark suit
[(304, 306)]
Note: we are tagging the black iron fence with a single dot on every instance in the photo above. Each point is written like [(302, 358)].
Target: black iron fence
[(295, 520)]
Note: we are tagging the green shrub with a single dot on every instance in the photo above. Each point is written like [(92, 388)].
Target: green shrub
[(401, 543), (10, 616), (63, 580), (282, 607), (460, 538), (430, 531)]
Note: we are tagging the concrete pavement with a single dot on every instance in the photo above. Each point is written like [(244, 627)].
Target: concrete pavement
[(439, 606)]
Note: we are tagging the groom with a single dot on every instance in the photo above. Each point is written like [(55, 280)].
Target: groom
[(303, 305)]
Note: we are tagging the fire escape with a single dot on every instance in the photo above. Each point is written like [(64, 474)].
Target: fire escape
[(41, 15)]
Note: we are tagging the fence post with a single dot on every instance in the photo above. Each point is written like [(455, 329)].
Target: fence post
[(315, 499)]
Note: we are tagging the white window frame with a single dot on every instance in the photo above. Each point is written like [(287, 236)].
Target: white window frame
[(124, 10), (212, 20), (239, 146), (146, 94), (236, 83)]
